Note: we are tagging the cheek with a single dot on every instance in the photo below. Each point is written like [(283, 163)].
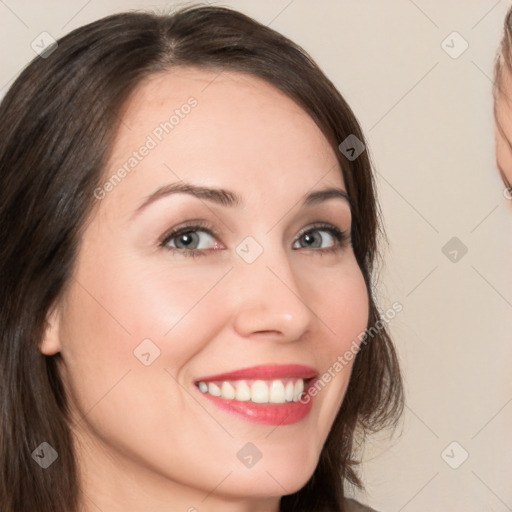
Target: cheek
[(119, 308), (340, 300), (126, 300), (119, 318), (499, 148), (502, 146), (344, 306)]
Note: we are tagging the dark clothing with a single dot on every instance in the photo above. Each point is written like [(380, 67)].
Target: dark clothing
[(354, 506)]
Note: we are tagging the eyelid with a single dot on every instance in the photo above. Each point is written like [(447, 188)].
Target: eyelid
[(190, 224), (320, 225)]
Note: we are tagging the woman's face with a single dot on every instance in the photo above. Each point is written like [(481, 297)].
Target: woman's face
[(503, 128), (143, 321)]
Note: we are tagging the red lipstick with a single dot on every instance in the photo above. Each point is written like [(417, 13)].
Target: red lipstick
[(265, 413), (265, 372)]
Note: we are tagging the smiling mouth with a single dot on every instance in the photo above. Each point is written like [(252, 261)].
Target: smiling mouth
[(270, 394), (274, 391)]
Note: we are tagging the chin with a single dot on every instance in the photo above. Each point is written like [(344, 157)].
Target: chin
[(271, 480)]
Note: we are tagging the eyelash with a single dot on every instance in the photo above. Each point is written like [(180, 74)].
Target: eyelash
[(341, 237)]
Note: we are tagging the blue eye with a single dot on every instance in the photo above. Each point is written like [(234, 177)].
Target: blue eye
[(187, 240), (340, 237)]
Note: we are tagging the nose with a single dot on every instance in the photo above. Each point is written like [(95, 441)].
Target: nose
[(272, 300)]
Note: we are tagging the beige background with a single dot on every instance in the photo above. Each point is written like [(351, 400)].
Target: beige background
[(428, 120)]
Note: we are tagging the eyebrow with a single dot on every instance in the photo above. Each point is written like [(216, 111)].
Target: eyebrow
[(228, 198)]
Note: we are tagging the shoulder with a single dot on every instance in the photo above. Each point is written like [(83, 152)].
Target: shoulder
[(354, 506)]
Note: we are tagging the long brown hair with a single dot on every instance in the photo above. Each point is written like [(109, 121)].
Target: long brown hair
[(58, 123)]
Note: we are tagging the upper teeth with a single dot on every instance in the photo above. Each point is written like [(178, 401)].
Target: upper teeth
[(274, 391)]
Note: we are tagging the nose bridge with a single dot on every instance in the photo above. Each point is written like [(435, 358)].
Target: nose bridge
[(270, 296)]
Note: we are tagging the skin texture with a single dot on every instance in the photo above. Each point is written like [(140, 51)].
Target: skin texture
[(503, 128), (146, 438)]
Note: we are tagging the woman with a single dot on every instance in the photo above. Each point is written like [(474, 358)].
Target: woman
[(168, 343), (502, 106)]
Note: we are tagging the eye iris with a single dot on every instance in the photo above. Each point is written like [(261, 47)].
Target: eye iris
[(187, 237), (308, 238)]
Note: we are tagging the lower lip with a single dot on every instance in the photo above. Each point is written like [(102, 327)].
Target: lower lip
[(267, 414)]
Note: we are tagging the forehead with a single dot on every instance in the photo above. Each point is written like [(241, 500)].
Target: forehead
[(240, 127)]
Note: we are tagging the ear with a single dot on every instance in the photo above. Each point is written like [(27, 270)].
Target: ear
[(50, 344)]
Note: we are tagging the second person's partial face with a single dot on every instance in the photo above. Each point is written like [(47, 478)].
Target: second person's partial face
[(503, 128), (171, 289)]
